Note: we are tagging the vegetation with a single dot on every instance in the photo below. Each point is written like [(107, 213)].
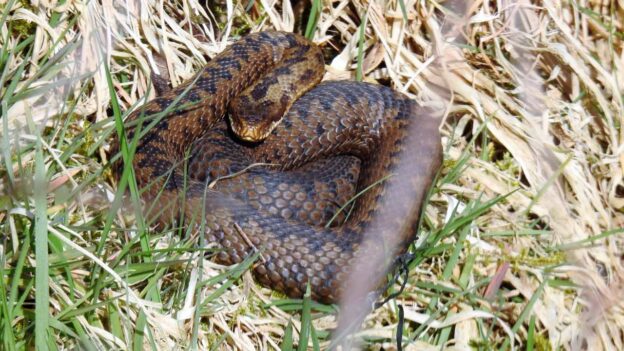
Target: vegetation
[(521, 243)]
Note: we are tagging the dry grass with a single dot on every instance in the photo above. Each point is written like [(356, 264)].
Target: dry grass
[(532, 94)]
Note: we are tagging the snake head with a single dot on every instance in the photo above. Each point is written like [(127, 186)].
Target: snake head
[(253, 121), (250, 132)]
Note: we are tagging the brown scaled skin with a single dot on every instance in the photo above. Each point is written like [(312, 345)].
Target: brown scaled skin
[(311, 194), (334, 118)]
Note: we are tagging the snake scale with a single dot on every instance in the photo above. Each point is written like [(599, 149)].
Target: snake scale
[(326, 141)]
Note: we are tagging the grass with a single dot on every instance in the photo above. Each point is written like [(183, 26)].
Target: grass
[(42, 276), (521, 240)]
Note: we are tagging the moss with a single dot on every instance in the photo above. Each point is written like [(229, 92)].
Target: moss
[(542, 343), (526, 258), (449, 164), (480, 344), (88, 140), (23, 27)]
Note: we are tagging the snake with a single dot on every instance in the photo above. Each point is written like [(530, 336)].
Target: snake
[(255, 154)]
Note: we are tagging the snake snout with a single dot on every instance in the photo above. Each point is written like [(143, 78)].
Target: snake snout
[(254, 119), (248, 132)]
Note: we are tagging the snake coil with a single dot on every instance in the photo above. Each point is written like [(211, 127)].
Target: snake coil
[(335, 138)]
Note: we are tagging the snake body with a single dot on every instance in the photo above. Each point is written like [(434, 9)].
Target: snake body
[(328, 130)]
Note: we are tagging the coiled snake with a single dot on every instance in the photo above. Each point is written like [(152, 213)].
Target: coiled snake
[(327, 131)]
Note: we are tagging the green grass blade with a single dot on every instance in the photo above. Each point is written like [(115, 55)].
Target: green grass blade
[(316, 346), (42, 285), (351, 200), (403, 10), (531, 334), (8, 337), (306, 320), (313, 19), (525, 313), (586, 243), (359, 74), (139, 332), (287, 340)]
